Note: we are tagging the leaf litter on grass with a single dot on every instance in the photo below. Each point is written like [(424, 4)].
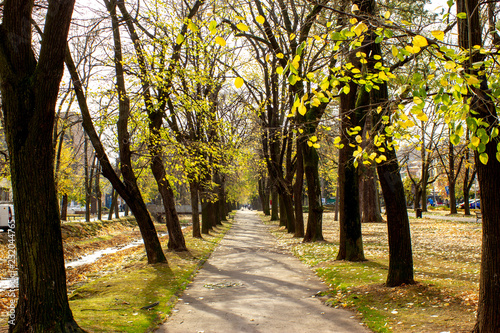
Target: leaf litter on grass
[(446, 257)]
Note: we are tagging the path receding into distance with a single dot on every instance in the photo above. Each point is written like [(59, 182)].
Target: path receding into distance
[(250, 285)]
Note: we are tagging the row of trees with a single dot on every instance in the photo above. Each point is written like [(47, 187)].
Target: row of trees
[(366, 71)]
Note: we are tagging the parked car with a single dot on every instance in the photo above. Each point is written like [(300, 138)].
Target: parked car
[(474, 204), (6, 216)]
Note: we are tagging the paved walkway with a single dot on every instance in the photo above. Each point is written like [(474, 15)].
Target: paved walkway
[(249, 285)]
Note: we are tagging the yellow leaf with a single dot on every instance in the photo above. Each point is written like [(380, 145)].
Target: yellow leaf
[(395, 51), (483, 158), (450, 65), (302, 109), (472, 80), (475, 141), (387, 15), (192, 26), (180, 39), (354, 8), (324, 85), (357, 151), (316, 102), (309, 143), (409, 123), (260, 19), (379, 109), (443, 82), (221, 41), (316, 145), (292, 36), (353, 21), (412, 49), (382, 76), (422, 116), (313, 138), (372, 156), (280, 55), (360, 28), (438, 34), (279, 70), (310, 75), (417, 100), (359, 139), (240, 17), (420, 41), (238, 82), (242, 27)]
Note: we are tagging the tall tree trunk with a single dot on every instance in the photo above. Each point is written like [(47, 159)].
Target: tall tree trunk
[(488, 313), (176, 240), (114, 198), (29, 88), (98, 193), (369, 202), (298, 186), (130, 195), (88, 191), (151, 242), (222, 200), (274, 204), (314, 231), (351, 241), (282, 211), (398, 225), (452, 178), (64, 207), (264, 195), (195, 214)]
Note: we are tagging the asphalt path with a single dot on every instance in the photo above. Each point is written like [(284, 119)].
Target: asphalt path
[(249, 284)]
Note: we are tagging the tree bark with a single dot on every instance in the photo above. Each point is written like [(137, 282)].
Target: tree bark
[(351, 242), (368, 195), (274, 204), (176, 240), (64, 207), (488, 313), (314, 230), (195, 214), (298, 186), (29, 88)]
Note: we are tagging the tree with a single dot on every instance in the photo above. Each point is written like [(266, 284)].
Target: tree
[(29, 87), (128, 191), (482, 120)]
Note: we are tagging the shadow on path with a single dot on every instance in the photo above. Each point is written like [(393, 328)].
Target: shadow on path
[(250, 285)]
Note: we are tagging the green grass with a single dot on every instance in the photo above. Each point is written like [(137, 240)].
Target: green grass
[(113, 303)]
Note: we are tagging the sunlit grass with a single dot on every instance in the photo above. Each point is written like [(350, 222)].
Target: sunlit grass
[(114, 302)]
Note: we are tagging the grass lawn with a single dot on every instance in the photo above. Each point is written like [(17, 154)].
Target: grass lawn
[(120, 292), (446, 258)]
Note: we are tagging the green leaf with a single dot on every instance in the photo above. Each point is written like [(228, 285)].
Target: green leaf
[(498, 156), (494, 132), (455, 139), (483, 158), (463, 16)]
